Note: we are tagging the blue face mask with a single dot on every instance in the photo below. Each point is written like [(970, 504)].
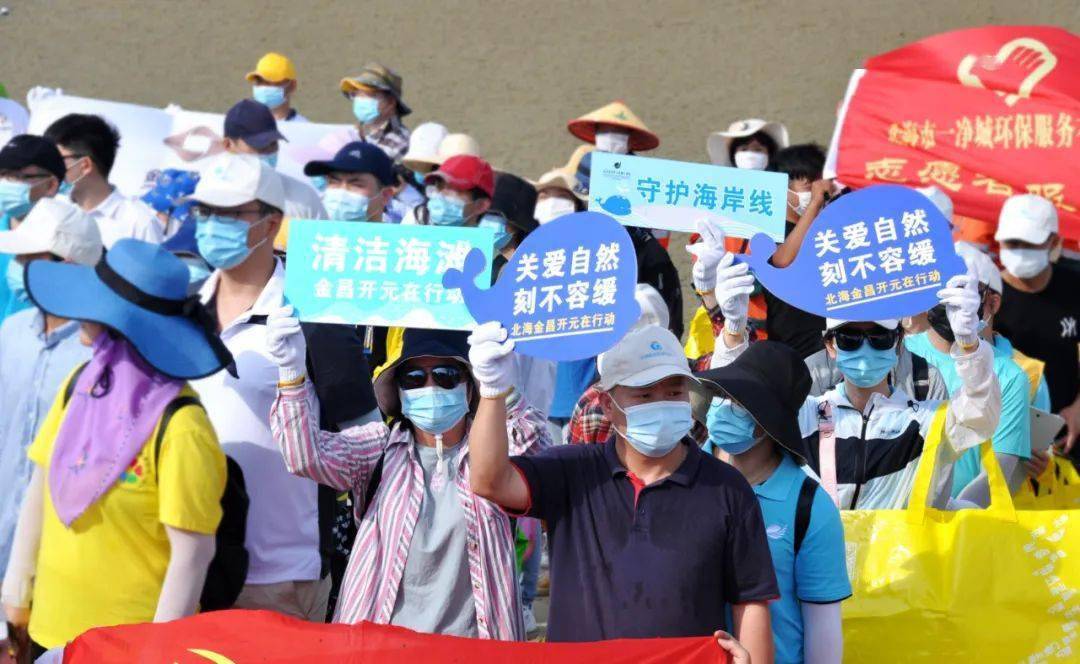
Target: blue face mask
[(497, 224), (65, 188), (269, 159), (270, 96), (344, 205), (443, 211), (730, 427), (197, 273), (655, 428), (866, 366), (434, 409), (14, 198), (223, 241), (318, 182), (15, 278), (366, 109)]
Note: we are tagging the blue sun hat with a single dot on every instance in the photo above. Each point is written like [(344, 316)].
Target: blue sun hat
[(140, 290)]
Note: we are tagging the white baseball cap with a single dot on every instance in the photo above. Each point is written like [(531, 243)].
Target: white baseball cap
[(654, 309), (887, 323), (234, 179), (1026, 217), (56, 226), (644, 356), (940, 200), (981, 264)]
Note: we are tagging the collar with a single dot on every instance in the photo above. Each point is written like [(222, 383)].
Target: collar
[(271, 297), (400, 436), (899, 398), (779, 485), (107, 207), (391, 126), (683, 475), (37, 326)]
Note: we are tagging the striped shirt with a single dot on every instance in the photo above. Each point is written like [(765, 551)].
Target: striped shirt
[(346, 460)]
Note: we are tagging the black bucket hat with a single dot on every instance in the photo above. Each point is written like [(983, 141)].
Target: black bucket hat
[(515, 200), (771, 381), (421, 343)]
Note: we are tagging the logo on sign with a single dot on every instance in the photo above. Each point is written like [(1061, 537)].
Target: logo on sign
[(1012, 72)]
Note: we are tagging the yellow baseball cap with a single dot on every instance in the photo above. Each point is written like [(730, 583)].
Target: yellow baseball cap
[(273, 67)]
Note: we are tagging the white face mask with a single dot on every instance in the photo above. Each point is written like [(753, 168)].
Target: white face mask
[(804, 201), (751, 160), (617, 142), (552, 208), (1025, 263)]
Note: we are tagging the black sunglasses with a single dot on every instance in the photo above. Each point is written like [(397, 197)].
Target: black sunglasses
[(446, 376), (852, 339)]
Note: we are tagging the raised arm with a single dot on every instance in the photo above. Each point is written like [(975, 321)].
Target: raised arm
[(788, 250)]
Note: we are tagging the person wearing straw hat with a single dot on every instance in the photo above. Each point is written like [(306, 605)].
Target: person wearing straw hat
[(747, 143), (118, 523), (557, 193), (751, 409), (375, 95), (273, 84), (614, 128)]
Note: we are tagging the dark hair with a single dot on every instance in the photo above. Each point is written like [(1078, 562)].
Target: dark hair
[(88, 135), (800, 162), (760, 137)]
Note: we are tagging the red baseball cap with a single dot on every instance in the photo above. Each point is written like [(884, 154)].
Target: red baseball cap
[(465, 172)]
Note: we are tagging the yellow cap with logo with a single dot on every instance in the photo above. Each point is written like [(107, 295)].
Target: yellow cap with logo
[(273, 68)]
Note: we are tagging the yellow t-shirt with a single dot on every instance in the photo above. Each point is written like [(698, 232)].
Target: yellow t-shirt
[(109, 566)]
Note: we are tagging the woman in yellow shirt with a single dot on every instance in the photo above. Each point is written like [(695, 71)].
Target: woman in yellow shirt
[(115, 528)]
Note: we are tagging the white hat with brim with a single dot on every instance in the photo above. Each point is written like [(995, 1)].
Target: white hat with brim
[(887, 323), (1028, 218), (423, 152), (981, 264), (557, 178), (718, 145), (234, 179), (455, 145), (55, 226), (644, 356)]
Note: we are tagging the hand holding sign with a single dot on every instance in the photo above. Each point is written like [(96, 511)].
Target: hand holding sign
[(881, 252), (567, 293)]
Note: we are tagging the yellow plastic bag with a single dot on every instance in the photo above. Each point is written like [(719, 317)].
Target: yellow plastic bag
[(993, 585), (1058, 488)]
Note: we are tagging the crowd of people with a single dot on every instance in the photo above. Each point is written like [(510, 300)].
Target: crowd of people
[(178, 441)]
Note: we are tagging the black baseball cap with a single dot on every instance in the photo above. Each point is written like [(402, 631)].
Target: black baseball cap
[(254, 123), (356, 157), (30, 150)]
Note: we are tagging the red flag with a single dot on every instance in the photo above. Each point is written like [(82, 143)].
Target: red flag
[(226, 637), (982, 114)]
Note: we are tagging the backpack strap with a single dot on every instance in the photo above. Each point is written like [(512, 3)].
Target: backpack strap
[(373, 483), (802, 510), (171, 409), (69, 389), (920, 377), (827, 451)]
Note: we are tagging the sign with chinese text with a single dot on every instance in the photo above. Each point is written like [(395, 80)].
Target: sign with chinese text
[(674, 195), (881, 252), (370, 273), (568, 291), (982, 114)]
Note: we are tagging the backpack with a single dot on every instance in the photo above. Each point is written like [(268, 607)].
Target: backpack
[(228, 569), (802, 510)]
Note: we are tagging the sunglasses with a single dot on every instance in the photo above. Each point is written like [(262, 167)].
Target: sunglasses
[(879, 338), (446, 376)]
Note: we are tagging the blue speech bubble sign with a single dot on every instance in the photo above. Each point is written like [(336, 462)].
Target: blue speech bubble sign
[(566, 294), (877, 253)]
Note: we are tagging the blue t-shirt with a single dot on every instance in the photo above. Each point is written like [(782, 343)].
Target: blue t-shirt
[(818, 573), (572, 378), (9, 304), (1013, 434)]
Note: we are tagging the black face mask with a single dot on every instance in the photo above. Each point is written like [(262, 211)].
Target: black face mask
[(939, 320)]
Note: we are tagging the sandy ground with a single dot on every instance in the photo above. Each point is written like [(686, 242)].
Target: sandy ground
[(511, 73)]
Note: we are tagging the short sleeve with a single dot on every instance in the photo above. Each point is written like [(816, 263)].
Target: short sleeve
[(545, 475), (40, 451), (821, 564), (748, 568), (191, 473), (1013, 434)]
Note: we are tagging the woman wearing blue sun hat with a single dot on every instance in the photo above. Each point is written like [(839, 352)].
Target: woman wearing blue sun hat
[(118, 524)]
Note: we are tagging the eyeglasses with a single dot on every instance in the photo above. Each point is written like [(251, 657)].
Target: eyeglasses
[(852, 339), (446, 376)]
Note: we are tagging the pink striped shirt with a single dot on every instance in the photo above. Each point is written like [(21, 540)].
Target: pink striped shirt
[(346, 460)]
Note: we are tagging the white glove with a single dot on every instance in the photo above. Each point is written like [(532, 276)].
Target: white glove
[(961, 299), (285, 344), (708, 252), (734, 283), (492, 359)]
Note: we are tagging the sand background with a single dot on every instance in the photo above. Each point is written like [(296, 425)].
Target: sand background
[(510, 73)]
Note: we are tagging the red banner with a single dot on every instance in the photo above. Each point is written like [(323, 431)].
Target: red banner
[(226, 637), (982, 114)]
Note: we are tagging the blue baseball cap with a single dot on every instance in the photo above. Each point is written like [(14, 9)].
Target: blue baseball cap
[(356, 157), (254, 123)]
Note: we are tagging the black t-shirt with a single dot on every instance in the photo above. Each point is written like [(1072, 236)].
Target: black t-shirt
[(656, 269), (792, 326), (1043, 325)]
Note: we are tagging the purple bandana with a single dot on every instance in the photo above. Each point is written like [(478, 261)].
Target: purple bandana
[(114, 408)]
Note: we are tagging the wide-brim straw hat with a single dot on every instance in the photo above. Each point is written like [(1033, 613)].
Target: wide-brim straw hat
[(616, 114)]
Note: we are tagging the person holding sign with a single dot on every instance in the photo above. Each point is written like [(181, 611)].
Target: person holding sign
[(865, 436), (633, 551), (429, 554), (359, 182)]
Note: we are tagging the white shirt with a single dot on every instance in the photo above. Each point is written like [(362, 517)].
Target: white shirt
[(301, 199), (119, 216), (283, 519)]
